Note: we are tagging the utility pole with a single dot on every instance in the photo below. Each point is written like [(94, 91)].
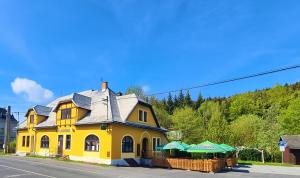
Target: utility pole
[(7, 130)]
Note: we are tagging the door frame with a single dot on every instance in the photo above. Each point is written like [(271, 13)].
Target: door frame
[(60, 145), (145, 145)]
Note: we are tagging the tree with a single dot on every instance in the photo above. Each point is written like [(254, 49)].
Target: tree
[(176, 102), (180, 99), (244, 131), (170, 104), (214, 121), (242, 104), (188, 100), (164, 118), (188, 122), (198, 102), (290, 118), (137, 90)]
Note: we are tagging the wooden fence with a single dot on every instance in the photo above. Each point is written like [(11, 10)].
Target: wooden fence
[(203, 165)]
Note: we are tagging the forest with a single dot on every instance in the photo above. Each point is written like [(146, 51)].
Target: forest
[(253, 119)]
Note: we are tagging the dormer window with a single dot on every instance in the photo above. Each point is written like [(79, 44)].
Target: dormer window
[(66, 113), (143, 116), (31, 119)]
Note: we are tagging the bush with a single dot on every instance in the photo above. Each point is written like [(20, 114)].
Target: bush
[(12, 146), (254, 155)]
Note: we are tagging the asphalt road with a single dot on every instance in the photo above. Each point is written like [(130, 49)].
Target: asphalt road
[(22, 167)]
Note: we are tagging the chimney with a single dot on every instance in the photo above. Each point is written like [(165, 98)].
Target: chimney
[(104, 85)]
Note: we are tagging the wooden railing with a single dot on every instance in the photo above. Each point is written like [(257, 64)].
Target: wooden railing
[(203, 165)]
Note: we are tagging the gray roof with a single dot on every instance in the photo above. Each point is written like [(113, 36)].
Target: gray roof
[(79, 100), (103, 107), (292, 141)]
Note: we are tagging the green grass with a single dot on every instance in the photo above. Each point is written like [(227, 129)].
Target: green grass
[(67, 160), (2, 152), (266, 163)]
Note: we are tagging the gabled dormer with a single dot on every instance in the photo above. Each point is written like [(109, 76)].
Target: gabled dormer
[(72, 109), (36, 115)]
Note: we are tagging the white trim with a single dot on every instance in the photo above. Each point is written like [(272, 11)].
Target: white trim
[(21, 153), (41, 142), (153, 150), (91, 159), (143, 115), (98, 143)]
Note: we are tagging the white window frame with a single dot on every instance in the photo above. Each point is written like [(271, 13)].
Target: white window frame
[(143, 114), (155, 143)]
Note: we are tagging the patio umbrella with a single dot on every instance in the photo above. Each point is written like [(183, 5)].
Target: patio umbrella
[(227, 147), (176, 145), (206, 147)]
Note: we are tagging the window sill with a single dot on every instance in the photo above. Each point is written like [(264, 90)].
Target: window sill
[(91, 151)]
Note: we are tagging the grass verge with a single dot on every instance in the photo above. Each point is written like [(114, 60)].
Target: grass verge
[(266, 163), (67, 160)]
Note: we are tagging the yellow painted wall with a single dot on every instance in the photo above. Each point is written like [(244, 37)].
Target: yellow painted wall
[(134, 116), (120, 131), (52, 134), (76, 114), (110, 146)]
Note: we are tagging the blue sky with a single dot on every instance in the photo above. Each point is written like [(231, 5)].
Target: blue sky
[(53, 48)]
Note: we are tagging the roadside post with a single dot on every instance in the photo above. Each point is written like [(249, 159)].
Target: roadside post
[(7, 131), (282, 146)]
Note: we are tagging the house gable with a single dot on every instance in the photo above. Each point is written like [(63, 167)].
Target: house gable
[(139, 109)]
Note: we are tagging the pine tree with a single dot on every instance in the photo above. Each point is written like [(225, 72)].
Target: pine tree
[(170, 104), (163, 104), (198, 102), (188, 100), (181, 99), (176, 102)]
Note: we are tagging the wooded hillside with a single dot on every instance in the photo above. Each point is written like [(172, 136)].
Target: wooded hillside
[(253, 119)]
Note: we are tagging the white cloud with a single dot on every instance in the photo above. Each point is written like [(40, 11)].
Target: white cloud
[(33, 91)]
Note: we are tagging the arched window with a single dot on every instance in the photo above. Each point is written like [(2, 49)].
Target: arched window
[(91, 143), (127, 144), (45, 141)]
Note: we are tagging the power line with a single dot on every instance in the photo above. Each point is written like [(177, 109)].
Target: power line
[(218, 82), (230, 80)]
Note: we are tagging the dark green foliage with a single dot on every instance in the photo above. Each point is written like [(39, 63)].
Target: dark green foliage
[(180, 99), (250, 155), (188, 100), (254, 119), (170, 104), (198, 102)]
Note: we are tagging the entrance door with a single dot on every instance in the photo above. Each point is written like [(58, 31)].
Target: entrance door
[(32, 144), (144, 147), (60, 145)]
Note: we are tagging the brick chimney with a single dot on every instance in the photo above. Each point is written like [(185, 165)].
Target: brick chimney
[(104, 85)]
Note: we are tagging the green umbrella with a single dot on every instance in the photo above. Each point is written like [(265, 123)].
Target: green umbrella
[(206, 147), (227, 147), (176, 145)]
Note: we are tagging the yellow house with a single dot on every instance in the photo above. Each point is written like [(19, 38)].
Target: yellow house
[(93, 126)]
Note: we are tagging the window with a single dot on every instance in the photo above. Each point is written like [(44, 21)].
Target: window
[(27, 141), (143, 116), (68, 142), (31, 118), (140, 115), (155, 143), (23, 141), (66, 113), (127, 144), (91, 143), (45, 141)]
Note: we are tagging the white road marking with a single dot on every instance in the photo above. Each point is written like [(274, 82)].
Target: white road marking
[(16, 175), (27, 171), (63, 167)]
